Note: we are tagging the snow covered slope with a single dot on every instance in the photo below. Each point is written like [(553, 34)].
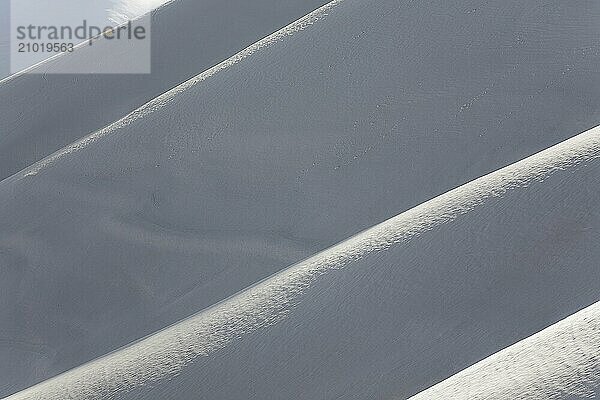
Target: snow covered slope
[(560, 362), (383, 314), (486, 64), (41, 113), (350, 116)]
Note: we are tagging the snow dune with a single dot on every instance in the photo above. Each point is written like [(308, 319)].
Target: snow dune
[(350, 320), (46, 112), (560, 362), (349, 116), (42, 112)]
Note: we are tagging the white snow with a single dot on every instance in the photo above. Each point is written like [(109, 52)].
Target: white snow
[(560, 362), (350, 116), (122, 11), (162, 356)]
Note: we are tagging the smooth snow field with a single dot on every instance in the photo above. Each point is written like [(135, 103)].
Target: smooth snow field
[(376, 198)]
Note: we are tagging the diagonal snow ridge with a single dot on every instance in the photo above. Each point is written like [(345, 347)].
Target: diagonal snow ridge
[(122, 11), (165, 98), (164, 354), (561, 361)]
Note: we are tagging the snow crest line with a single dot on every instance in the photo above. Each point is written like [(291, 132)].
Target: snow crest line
[(561, 361), (165, 353), (165, 98)]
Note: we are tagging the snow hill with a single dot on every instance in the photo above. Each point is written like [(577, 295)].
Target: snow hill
[(351, 115), (559, 362), (397, 307), (42, 112)]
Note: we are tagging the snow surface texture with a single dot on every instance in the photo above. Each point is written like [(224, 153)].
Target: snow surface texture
[(156, 359), (42, 112), (122, 11), (560, 362), (347, 117), (486, 63)]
